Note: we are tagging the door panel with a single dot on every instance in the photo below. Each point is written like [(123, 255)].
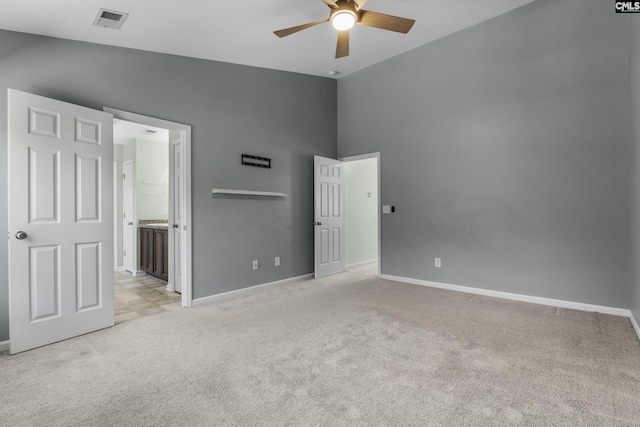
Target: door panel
[(44, 167), (44, 282), (87, 188), (60, 170), (89, 286), (329, 216)]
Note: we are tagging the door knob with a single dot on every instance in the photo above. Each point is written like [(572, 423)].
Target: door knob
[(130, 223), (175, 225), (317, 223), (21, 235)]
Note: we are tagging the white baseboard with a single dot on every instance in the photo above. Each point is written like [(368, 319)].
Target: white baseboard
[(4, 345), (515, 297), (358, 264), (139, 273), (120, 268), (634, 323), (170, 287), (217, 297)]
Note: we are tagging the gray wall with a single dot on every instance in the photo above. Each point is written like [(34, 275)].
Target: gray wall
[(635, 173), (232, 110), (505, 150)]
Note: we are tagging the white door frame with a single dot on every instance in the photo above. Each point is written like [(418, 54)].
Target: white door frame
[(132, 254), (173, 285), (376, 156), (185, 136)]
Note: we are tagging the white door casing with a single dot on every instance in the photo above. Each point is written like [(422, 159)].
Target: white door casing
[(128, 223), (185, 191), (177, 216), (329, 240), (60, 195)]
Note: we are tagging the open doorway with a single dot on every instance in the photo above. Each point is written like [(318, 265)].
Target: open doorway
[(362, 210), (346, 188), (142, 181), (152, 233)]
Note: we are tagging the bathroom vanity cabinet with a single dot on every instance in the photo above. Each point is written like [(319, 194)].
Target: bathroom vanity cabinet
[(154, 250)]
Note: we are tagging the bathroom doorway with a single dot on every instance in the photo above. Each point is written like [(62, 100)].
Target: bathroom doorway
[(152, 156)]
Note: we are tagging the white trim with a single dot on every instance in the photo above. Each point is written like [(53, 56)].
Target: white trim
[(187, 234), (634, 323), (139, 273), (248, 192), (134, 217), (4, 345), (360, 157), (170, 287), (375, 155), (515, 297), (358, 264), (225, 295), (120, 268)]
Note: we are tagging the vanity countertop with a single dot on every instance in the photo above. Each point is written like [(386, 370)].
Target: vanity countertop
[(159, 226)]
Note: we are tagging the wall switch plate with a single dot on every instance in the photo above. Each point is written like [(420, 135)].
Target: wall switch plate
[(386, 209), (437, 262), (277, 261), (255, 264), (165, 211)]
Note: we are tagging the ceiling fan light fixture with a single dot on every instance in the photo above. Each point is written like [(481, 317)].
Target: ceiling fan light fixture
[(343, 20)]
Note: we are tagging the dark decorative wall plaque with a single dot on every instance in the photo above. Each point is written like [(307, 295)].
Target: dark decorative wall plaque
[(259, 162)]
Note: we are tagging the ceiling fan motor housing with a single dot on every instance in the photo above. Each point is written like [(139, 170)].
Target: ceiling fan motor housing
[(345, 7)]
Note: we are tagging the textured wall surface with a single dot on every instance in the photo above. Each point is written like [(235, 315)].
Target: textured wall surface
[(232, 109), (505, 149)]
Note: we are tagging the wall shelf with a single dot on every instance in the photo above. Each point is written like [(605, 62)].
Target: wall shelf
[(248, 193)]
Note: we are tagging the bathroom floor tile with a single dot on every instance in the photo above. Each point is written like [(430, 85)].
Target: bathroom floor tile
[(140, 296)]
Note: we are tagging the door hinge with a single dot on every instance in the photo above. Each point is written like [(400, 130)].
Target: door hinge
[(124, 253), (8, 235), (124, 176)]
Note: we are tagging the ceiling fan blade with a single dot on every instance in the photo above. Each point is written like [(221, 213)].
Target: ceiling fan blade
[(385, 22), (292, 30), (342, 49), (360, 3), (330, 3)]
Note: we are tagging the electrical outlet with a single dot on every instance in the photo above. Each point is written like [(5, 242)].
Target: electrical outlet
[(277, 261), (437, 262), (255, 264)]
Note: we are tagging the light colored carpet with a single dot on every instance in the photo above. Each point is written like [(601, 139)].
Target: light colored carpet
[(349, 350)]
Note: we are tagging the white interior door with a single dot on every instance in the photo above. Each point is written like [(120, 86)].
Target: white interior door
[(60, 220), (177, 215), (329, 236), (127, 216)]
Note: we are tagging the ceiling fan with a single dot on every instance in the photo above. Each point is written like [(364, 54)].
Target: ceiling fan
[(345, 14)]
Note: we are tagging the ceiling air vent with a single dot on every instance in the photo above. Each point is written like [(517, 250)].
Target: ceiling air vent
[(110, 19), (149, 132)]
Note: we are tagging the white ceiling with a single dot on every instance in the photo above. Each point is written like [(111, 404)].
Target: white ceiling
[(124, 132), (241, 32)]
